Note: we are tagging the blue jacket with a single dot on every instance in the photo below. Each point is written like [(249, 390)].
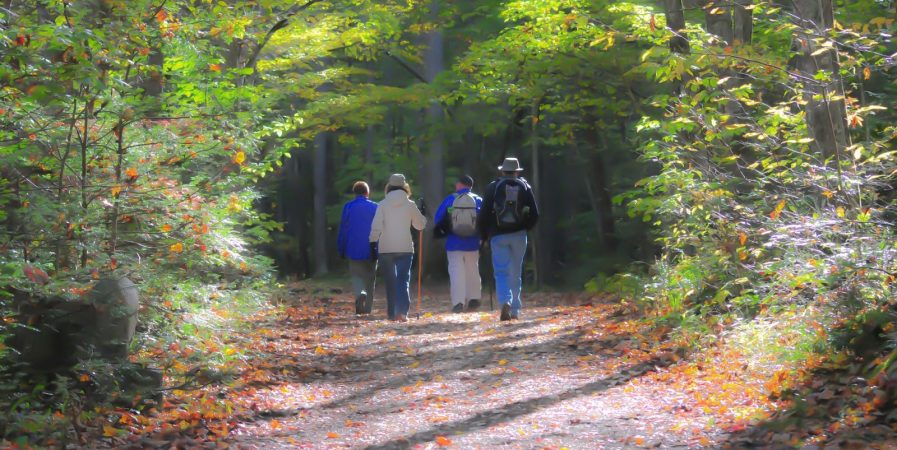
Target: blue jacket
[(355, 228), (455, 243)]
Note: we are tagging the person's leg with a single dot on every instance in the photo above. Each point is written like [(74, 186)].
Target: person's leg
[(501, 263), (388, 268), (473, 284), (402, 302), (518, 252), (370, 285), (456, 279), (357, 277)]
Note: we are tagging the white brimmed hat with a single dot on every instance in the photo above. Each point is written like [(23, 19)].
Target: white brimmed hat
[(397, 180), (510, 165)]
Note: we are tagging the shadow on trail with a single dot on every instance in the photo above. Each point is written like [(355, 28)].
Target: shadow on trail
[(454, 359), (514, 410)]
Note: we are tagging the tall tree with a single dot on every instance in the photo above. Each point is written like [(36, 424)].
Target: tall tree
[(434, 159), (816, 60)]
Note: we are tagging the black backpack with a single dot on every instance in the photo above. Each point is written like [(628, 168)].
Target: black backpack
[(509, 204)]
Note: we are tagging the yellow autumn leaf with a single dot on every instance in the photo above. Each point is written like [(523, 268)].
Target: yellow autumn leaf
[(867, 73), (176, 248), (239, 158), (109, 431), (116, 190), (502, 362), (839, 211)]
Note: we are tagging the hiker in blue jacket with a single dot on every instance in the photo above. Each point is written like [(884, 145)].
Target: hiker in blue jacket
[(352, 244), (456, 220)]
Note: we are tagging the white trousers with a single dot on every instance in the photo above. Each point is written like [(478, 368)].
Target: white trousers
[(464, 273)]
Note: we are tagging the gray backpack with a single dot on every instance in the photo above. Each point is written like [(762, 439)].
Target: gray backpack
[(464, 215)]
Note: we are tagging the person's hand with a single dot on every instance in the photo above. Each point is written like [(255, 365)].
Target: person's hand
[(422, 206), (373, 251)]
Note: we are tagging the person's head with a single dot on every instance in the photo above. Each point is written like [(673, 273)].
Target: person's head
[(361, 188), (464, 182), (397, 183), (510, 167)]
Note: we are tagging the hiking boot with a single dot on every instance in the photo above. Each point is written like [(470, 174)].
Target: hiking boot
[(473, 305), (402, 318), (368, 303), (359, 304), (458, 308), (505, 313)]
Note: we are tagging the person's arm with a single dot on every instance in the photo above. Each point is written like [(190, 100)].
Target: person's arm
[(343, 236), (418, 221), (443, 209), (440, 220), (376, 226), (533, 217)]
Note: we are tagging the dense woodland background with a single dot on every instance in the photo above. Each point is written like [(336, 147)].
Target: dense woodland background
[(715, 165)]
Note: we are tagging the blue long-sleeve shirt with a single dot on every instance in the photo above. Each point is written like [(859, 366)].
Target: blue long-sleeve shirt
[(355, 228), (453, 242)]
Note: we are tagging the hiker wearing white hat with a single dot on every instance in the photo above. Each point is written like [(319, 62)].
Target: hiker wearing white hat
[(509, 210), (391, 234)]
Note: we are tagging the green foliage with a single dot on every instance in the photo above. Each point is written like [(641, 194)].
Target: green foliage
[(751, 221)]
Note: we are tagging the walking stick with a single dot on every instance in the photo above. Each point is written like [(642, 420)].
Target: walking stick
[(420, 265)]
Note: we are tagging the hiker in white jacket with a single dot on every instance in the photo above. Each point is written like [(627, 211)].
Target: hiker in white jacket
[(391, 236)]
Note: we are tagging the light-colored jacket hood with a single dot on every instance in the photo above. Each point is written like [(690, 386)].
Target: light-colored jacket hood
[(391, 228)]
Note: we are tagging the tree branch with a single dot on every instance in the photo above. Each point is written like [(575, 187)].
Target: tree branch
[(282, 23)]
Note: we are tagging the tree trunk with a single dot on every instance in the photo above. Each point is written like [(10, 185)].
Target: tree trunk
[(534, 149), (718, 19), (320, 202), (433, 183), (743, 22), (675, 15), (826, 118)]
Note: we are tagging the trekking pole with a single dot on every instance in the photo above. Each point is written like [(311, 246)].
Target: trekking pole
[(420, 266)]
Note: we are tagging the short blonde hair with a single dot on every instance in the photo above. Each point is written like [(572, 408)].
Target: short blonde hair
[(361, 188)]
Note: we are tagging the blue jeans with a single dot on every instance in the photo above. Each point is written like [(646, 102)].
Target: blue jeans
[(508, 251), (396, 269)]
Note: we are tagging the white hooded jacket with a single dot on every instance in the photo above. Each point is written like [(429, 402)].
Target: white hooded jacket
[(391, 228)]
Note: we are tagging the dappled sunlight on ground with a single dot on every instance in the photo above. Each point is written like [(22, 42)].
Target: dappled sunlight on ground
[(562, 376)]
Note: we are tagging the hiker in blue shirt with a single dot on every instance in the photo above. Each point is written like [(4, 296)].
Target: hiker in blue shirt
[(456, 220), (354, 229)]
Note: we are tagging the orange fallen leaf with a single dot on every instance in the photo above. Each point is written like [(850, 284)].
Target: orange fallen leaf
[(332, 435), (109, 431), (443, 441)]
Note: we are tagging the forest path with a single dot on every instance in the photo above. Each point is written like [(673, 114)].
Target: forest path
[(560, 377)]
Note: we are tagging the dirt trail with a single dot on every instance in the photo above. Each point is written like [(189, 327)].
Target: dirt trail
[(557, 378)]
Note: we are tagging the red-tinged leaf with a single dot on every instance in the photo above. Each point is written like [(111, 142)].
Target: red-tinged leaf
[(443, 441), (215, 67), (652, 23), (161, 16)]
